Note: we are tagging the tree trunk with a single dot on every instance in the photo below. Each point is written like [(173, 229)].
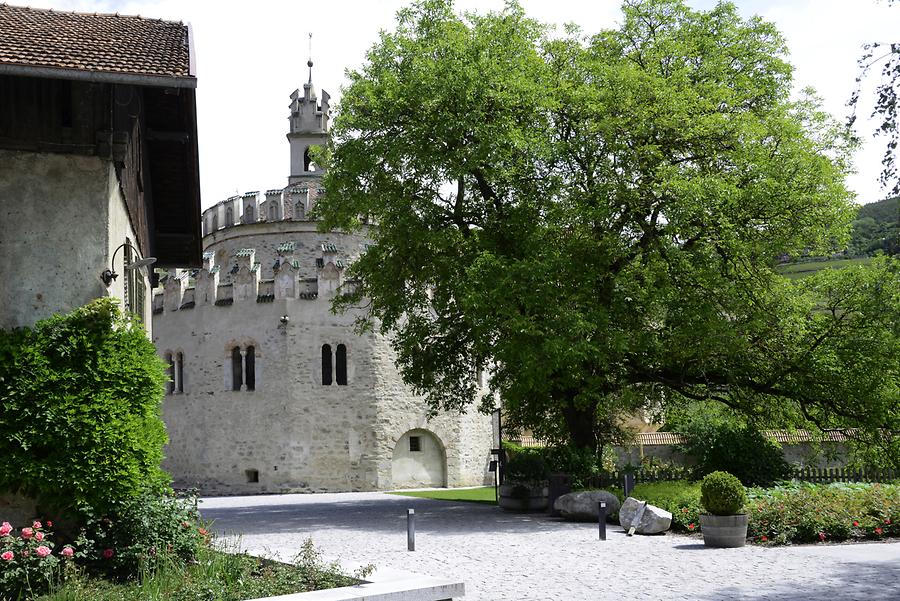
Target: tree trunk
[(580, 423)]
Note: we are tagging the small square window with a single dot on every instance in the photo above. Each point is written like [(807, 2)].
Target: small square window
[(415, 444), (252, 476)]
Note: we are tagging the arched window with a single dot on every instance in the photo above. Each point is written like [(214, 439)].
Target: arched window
[(340, 365), (300, 210), (229, 217), (237, 369), (250, 361), (179, 372), (249, 214), (273, 212), (307, 162), (215, 222), (326, 365)]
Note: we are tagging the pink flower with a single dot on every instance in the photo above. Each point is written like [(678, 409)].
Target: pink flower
[(49, 524), (27, 533), (108, 553), (691, 526), (25, 553), (39, 536), (67, 551), (43, 551), (822, 536), (7, 556), (887, 521), (878, 531), (763, 538), (5, 529), (37, 525), (855, 524)]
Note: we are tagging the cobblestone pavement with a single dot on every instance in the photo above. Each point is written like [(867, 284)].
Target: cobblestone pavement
[(502, 556)]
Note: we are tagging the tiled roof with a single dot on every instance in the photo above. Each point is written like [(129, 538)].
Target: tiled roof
[(674, 438), (93, 42)]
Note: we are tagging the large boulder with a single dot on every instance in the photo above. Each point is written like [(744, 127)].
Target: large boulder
[(583, 506), (654, 520)]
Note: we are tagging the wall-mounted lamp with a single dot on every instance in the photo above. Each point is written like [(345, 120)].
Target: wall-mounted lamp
[(285, 319), (109, 275)]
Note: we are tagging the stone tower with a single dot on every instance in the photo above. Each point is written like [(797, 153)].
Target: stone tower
[(270, 391), (308, 127)]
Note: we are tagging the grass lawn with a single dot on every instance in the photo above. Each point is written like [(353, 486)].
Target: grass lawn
[(483, 494), (800, 270)]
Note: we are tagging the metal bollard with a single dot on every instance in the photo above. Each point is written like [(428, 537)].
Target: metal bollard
[(601, 519), (410, 529), (629, 484)]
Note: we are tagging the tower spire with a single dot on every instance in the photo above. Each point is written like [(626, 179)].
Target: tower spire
[(309, 62)]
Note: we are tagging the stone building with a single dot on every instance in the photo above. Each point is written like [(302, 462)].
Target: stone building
[(270, 391), (98, 159)]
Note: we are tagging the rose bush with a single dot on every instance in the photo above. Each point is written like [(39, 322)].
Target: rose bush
[(28, 566)]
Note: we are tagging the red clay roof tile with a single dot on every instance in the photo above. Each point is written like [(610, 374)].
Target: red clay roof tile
[(107, 43)]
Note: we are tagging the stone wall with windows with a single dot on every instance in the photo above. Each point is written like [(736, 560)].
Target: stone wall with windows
[(272, 392)]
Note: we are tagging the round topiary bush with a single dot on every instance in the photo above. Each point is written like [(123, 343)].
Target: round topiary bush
[(722, 494)]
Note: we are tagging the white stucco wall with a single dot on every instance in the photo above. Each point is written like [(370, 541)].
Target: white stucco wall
[(60, 218)]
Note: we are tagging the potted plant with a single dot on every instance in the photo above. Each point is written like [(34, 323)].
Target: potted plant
[(524, 485), (723, 496)]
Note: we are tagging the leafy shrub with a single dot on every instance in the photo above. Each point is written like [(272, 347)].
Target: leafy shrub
[(139, 532), (719, 441), (526, 465), (806, 513), (681, 498), (581, 464), (80, 419), (722, 494), (28, 566)]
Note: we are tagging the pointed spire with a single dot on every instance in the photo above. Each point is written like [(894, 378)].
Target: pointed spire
[(309, 62)]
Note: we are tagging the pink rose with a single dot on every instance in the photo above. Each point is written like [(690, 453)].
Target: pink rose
[(27, 533), (49, 524), (107, 554), (43, 551), (5, 529), (39, 536), (37, 525), (67, 551), (7, 556)]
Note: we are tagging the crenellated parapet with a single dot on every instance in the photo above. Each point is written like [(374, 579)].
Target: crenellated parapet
[(293, 203), (239, 280)]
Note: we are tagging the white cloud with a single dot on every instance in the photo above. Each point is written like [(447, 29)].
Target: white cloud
[(252, 55)]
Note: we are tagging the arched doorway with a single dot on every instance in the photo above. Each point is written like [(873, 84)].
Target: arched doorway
[(419, 461)]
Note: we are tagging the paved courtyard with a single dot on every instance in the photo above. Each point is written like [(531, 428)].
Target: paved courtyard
[(502, 556)]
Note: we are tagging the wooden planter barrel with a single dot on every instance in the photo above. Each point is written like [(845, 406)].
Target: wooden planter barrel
[(724, 531), (523, 497)]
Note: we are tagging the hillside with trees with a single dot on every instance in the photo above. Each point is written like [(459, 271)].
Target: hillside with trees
[(876, 228)]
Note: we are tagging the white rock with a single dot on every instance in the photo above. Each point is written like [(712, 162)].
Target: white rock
[(654, 520)]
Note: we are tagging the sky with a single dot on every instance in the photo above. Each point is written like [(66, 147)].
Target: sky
[(252, 55)]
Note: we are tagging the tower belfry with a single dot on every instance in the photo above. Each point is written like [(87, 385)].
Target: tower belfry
[(308, 127)]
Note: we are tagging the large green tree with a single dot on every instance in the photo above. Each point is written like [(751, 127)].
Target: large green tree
[(596, 217)]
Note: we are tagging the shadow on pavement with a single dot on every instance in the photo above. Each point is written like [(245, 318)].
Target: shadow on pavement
[(852, 581)]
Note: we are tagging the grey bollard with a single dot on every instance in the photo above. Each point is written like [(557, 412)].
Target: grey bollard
[(629, 484), (410, 529), (601, 519)]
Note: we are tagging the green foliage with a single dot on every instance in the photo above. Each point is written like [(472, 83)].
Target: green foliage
[(595, 216), (722, 494), (807, 513), (80, 416), (525, 465), (28, 566), (227, 575), (720, 441), (681, 498), (139, 532)]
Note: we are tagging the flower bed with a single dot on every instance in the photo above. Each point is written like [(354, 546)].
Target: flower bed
[(792, 513), (808, 513)]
